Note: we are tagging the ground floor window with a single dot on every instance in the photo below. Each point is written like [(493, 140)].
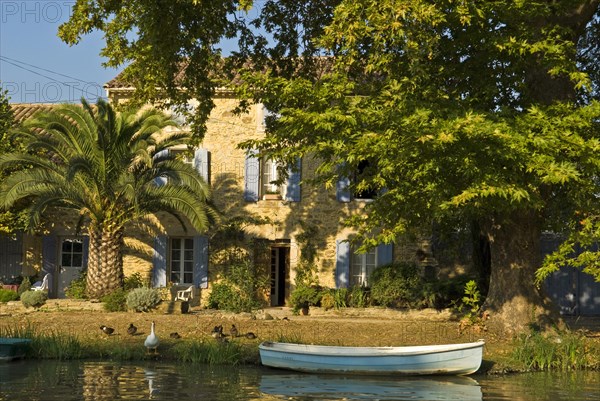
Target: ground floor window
[(182, 260), (71, 254), (361, 267)]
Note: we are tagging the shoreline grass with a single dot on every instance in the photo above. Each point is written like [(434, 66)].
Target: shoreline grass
[(564, 351), (54, 345)]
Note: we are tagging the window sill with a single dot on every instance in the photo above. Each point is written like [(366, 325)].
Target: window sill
[(271, 197)]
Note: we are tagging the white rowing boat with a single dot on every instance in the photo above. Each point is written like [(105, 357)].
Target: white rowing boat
[(448, 359)]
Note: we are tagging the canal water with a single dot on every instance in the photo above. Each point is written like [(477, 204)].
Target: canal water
[(85, 380)]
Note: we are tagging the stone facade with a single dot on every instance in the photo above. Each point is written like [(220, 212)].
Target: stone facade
[(317, 209), (316, 216)]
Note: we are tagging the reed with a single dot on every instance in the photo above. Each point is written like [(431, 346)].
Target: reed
[(214, 352), (114, 350), (563, 352), (46, 345), (290, 338)]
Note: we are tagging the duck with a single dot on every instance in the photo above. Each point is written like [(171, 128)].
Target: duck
[(222, 339), (131, 330), (217, 332), (152, 341), (233, 331), (107, 330), (175, 335), (250, 335)]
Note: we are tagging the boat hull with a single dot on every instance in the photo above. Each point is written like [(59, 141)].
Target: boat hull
[(451, 359), (13, 348)]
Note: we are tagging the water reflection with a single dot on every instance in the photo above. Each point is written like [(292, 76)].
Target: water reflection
[(308, 386), (150, 375), (99, 381)]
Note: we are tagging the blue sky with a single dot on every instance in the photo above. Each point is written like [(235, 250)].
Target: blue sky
[(36, 66)]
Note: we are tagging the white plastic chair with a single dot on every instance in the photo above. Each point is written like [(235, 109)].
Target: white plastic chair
[(41, 285), (185, 295)]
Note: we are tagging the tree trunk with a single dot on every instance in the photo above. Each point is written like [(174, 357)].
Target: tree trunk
[(105, 264), (513, 302)]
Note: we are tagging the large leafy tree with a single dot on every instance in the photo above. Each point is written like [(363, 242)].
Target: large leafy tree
[(112, 169), (10, 223), (174, 45), (469, 114)]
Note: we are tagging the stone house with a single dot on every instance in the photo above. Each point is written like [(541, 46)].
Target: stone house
[(284, 225), (284, 222)]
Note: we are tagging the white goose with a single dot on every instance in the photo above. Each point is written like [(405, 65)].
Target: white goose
[(151, 342)]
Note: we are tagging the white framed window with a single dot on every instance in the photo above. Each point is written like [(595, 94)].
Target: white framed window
[(269, 176), (71, 253), (361, 267), (262, 176), (181, 261)]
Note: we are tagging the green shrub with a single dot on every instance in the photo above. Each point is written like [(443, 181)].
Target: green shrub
[(143, 299), (443, 293), (133, 281), (8, 295), (221, 296), (396, 285), (340, 298), (24, 286), (77, 288), (241, 290), (34, 299), (328, 300), (335, 298), (471, 299), (116, 301), (304, 296), (359, 297), (226, 296)]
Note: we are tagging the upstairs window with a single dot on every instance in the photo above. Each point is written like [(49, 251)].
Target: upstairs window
[(262, 179), (269, 179), (343, 188), (200, 161)]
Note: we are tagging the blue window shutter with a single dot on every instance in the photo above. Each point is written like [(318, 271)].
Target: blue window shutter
[(86, 251), (160, 181), (159, 262), (201, 261), (49, 259), (384, 254), (252, 176), (342, 192), (292, 192), (202, 163), (342, 264)]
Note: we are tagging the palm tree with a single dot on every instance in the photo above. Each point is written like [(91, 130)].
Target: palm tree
[(112, 168)]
